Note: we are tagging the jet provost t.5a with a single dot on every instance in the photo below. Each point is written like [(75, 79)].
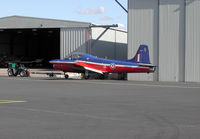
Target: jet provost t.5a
[(85, 63)]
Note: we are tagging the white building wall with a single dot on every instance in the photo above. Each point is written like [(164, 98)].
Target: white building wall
[(192, 41), (121, 45), (143, 29), (112, 44), (108, 36)]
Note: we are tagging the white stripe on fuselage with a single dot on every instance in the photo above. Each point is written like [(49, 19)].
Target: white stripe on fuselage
[(94, 70)]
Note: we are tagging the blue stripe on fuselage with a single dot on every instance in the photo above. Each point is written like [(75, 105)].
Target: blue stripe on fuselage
[(60, 61), (90, 58)]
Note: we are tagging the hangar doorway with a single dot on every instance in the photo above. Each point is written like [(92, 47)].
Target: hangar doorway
[(30, 45)]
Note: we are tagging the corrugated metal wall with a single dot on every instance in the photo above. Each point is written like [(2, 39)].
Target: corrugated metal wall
[(192, 41), (143, 29), (74, 40), (171, 40), (178, 33)]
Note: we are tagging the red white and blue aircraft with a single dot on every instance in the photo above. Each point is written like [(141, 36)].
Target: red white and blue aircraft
[(85, 63)]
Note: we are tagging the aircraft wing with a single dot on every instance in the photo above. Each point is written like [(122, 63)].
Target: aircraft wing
[(93, 70), (90, 68)]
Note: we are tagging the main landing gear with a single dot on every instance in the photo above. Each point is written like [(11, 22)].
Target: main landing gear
[(86, 75), (102, 76)]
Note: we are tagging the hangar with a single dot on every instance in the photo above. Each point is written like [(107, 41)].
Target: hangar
[(171, 30), (39, 38)]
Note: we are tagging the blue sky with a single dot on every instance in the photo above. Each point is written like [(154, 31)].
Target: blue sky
[(94, 11)]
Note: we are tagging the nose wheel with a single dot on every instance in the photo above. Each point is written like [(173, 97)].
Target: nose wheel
[(66, 76)]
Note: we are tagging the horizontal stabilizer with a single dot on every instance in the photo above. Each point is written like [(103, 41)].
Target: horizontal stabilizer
[(146, 65)]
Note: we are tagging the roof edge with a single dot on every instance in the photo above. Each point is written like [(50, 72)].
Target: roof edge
[(40, 18)]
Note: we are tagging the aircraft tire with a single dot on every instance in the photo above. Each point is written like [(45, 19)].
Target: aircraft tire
[(102, 76), (86, 77), (51, 75), (66, 76)]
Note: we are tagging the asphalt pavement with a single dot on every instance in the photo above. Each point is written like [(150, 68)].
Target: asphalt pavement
[(53, 108)]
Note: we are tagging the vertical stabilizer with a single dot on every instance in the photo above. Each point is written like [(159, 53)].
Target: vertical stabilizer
[(142, 55)]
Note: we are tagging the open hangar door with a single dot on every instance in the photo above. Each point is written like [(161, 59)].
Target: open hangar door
[(38, 45)]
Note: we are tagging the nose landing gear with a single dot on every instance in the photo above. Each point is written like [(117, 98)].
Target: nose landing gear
[(66, 75)]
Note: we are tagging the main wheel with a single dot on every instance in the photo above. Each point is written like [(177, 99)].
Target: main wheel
[(102, 76), (86, 77)]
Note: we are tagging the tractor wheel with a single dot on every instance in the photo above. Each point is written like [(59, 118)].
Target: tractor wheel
[(23, 73), (10, 72)]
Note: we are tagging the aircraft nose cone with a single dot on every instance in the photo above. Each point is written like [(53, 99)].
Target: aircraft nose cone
[(52, 61)]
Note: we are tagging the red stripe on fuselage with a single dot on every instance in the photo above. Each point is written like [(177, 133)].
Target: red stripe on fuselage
[(117, 69), (124, 69)]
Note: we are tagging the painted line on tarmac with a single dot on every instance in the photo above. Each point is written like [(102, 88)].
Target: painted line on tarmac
[(131, 84), (68, 114), (147, 85), (11, 101)]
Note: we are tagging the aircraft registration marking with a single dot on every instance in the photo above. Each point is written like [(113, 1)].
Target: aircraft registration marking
[(12, 101)]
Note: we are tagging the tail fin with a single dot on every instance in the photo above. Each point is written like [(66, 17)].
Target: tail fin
[(142, 55)]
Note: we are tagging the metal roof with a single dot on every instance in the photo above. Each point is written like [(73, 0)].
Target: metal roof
[(15, 22)]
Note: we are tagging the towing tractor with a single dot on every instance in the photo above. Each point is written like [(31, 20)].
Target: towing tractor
[(15, 69)]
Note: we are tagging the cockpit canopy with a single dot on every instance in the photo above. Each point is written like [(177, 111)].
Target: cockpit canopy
[(74, 56)]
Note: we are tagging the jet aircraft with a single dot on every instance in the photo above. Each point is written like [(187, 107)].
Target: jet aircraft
[(85, 63)]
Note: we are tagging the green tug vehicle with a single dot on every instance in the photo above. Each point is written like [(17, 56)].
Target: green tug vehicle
[(15, 69)]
